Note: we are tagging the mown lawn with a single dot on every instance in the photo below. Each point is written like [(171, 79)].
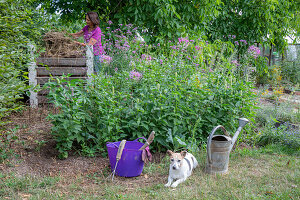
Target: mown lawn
[(267, 173)]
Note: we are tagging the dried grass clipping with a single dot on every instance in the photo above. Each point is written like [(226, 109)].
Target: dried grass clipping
[(58, 45)]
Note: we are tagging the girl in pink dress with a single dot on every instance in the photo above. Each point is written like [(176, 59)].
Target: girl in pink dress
[(92, 36)]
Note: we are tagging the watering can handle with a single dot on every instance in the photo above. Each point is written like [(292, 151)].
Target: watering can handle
[(210, 138)]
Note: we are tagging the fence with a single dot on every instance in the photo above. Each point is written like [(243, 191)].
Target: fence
[(41, 71)]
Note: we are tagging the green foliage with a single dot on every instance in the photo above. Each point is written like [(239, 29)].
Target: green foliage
[(162, 18), (7, 138), (290, 71), (174, 97), (285, 135), (261, 73), (15, 26), (256, 21), (21, 24)]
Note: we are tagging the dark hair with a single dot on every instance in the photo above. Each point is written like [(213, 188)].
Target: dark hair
[(94, 18)]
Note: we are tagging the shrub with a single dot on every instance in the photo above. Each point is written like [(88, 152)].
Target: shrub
[(285, 135), (174, 97), (290, 71)]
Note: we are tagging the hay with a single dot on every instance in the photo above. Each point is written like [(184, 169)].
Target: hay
[(58, 45)]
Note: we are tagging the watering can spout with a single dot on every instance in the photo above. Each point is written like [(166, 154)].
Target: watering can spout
[(242, 123)]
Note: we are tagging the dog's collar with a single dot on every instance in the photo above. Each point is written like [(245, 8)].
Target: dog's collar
[(188, 163)]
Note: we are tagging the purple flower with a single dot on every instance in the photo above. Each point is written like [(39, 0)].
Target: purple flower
[(110, 22), (254, 51), (235, 62), (146, 57), (135, 75), (244, 41), (236, 42), (183, 40), (158, 44), (106, 59)]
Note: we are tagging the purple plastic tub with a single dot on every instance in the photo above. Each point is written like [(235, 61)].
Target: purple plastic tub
[(131, 163)]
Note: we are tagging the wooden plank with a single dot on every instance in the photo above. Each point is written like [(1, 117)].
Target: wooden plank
[(58, 71), (43, 80), (75, 62)]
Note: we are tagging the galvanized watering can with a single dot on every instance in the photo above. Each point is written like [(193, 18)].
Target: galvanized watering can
[(219, 147)]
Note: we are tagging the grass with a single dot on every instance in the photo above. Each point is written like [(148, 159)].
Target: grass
[(266, 173)]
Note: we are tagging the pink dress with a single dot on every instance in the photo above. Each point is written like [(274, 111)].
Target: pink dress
[(95, 34)]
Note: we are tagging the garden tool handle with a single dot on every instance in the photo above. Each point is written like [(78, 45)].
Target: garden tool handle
[(149, 140), (210, 138), (120, 149)]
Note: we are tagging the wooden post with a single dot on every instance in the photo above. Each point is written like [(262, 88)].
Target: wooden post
[(89, 61), (32, 78)]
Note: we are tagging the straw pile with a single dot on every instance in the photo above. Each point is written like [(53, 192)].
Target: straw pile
[(58, 45)]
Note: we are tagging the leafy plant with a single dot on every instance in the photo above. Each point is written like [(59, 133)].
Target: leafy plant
[(7, 138), (285, 135), (174, 97), (290, 71)]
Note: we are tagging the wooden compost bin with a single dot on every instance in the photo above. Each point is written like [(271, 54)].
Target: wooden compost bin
[(41, 70)]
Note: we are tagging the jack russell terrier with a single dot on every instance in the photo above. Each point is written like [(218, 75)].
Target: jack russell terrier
[(181, 167)]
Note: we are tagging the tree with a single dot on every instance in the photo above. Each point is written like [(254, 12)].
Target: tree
[(267, 21), (162, 18)]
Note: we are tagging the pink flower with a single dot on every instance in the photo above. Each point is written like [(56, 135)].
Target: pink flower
[(135, 75), (235, 62), (106, 59)]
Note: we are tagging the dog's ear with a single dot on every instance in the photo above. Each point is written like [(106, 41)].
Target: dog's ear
[(183, 153), (169, 152)]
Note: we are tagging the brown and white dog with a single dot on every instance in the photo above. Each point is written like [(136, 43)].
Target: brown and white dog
[(181, 167)]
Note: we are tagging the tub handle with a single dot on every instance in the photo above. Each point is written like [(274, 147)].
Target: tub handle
[(140, 138), (113, 144), (210, 138)]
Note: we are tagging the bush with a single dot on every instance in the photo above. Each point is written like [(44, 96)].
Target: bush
[(20, 25), (173, 96), (290, 71), (285, 135)]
